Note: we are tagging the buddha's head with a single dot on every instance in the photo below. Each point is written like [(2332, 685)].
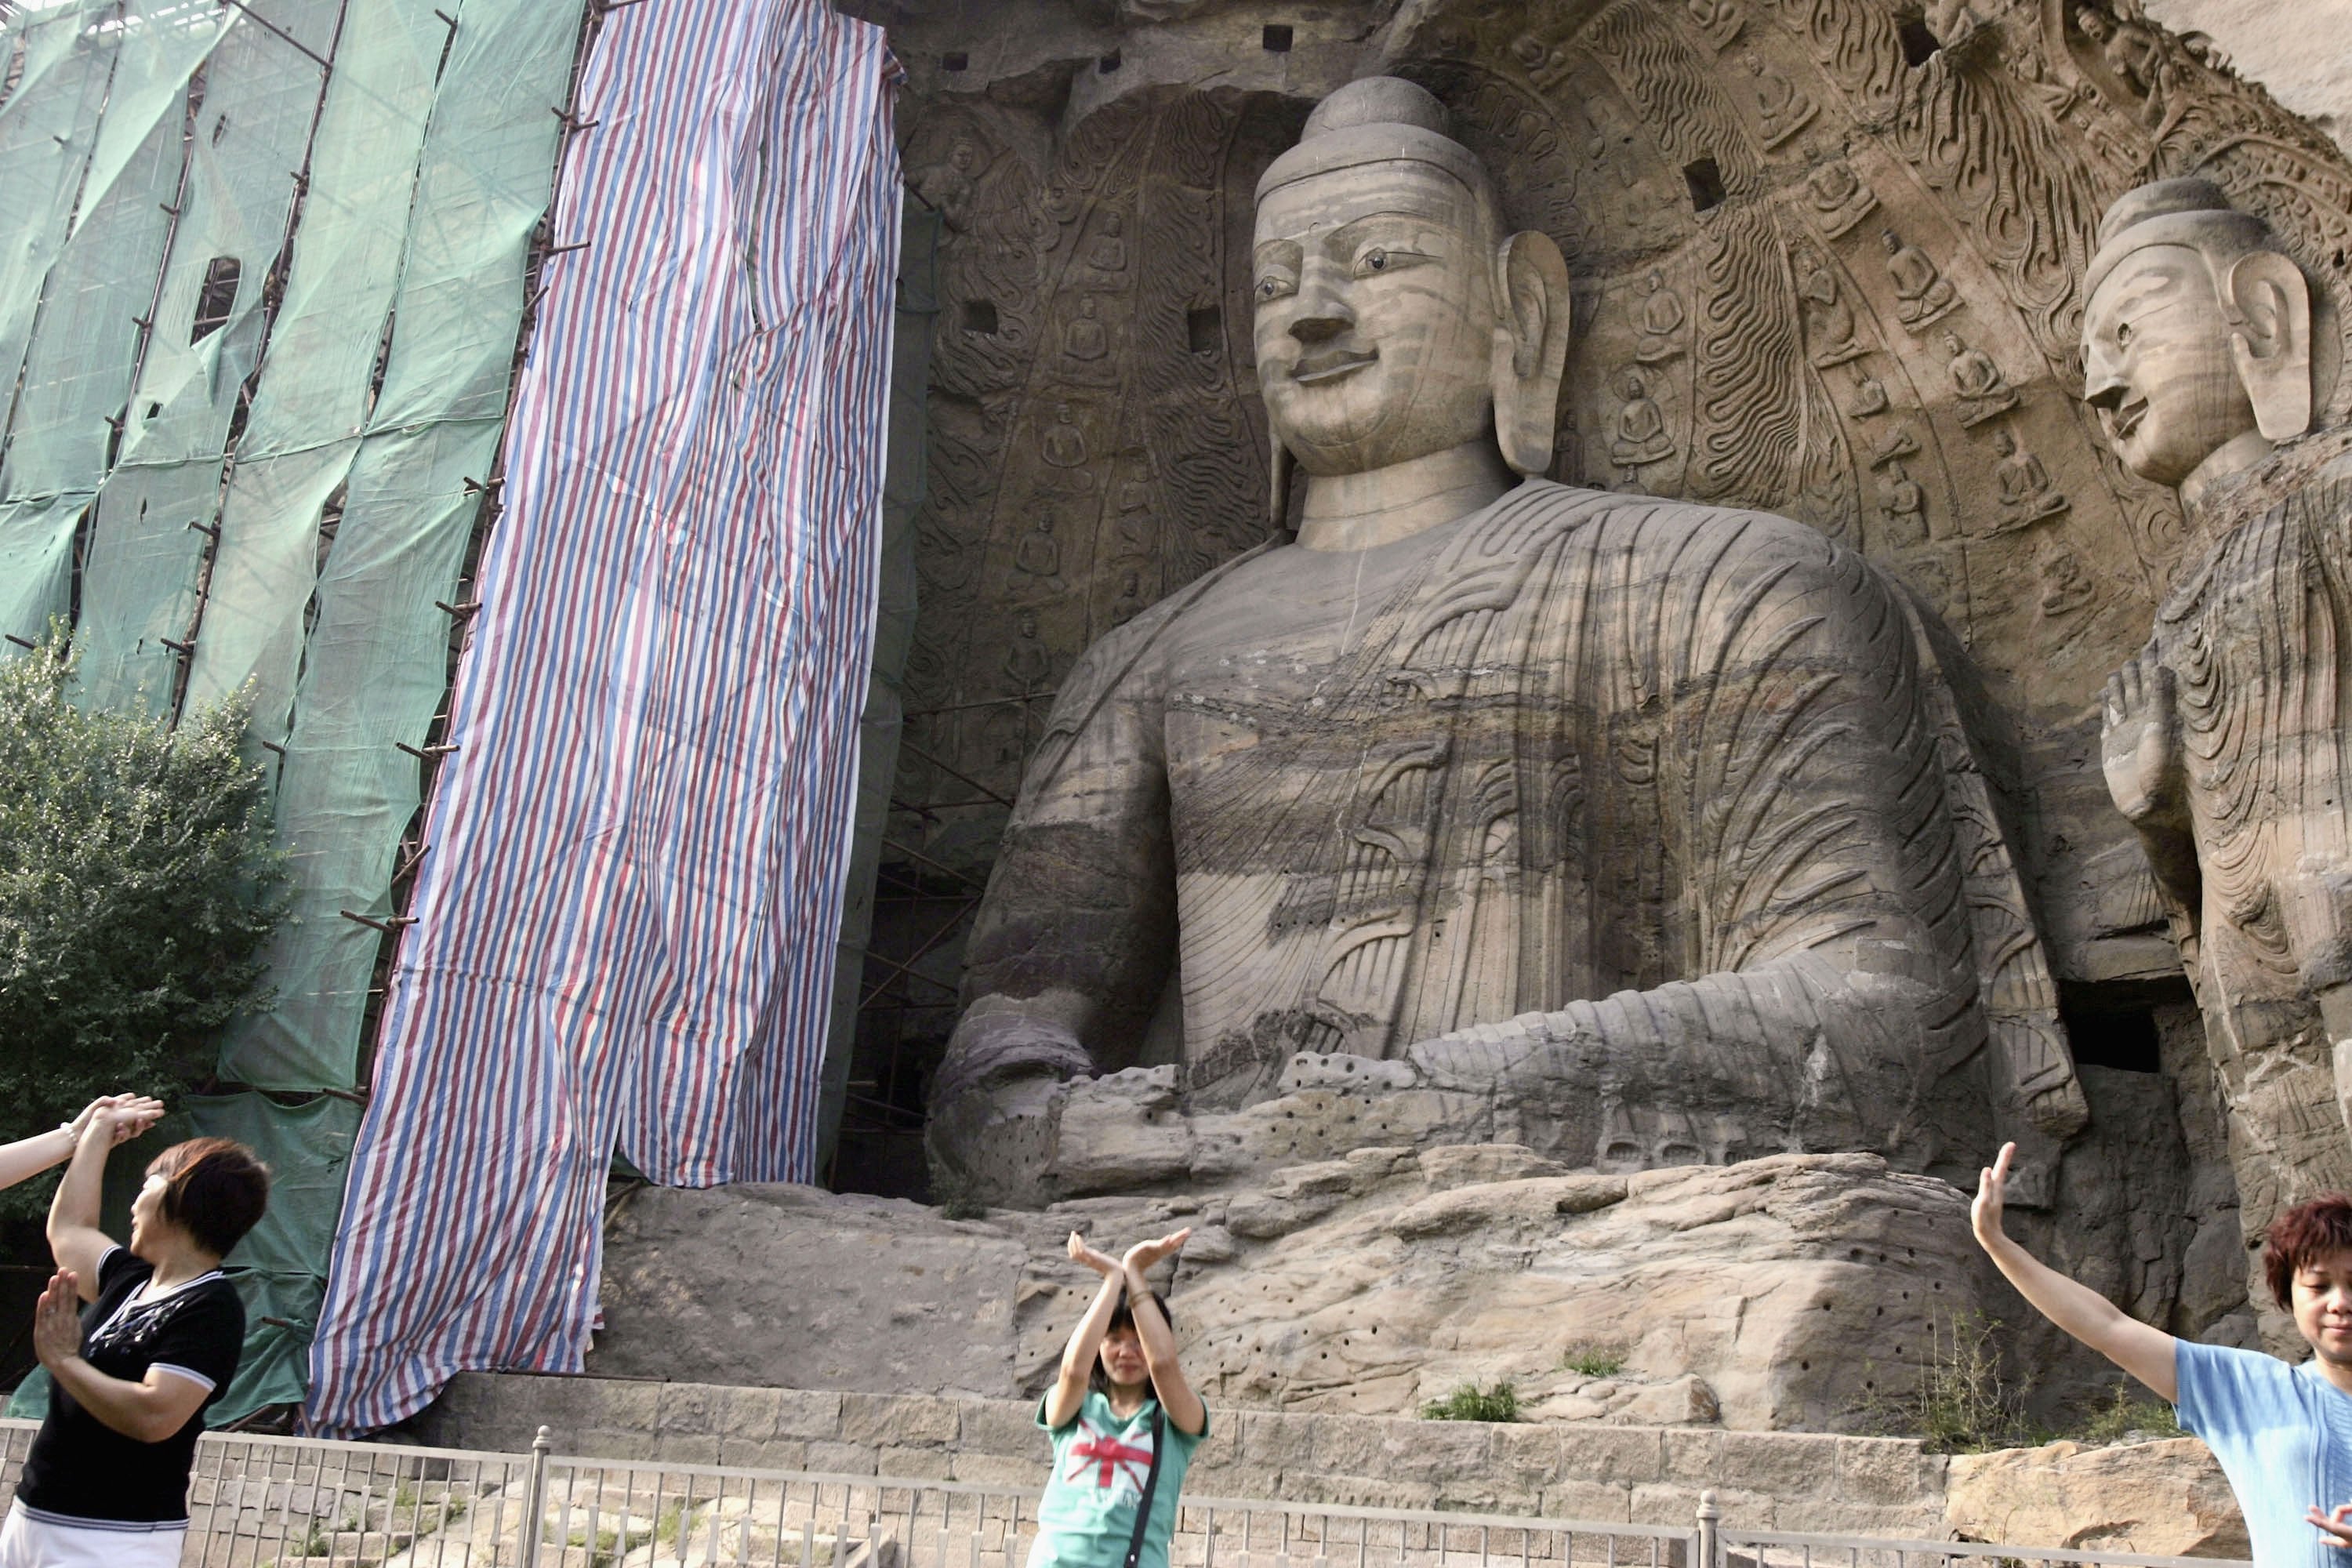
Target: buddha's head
[(2197, 336), (1395, 319)]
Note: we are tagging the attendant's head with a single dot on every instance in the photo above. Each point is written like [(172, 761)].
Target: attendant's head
[(1120, 1363), (2307, 1261), (1395, 317), (199, 1199), (2196, 334)]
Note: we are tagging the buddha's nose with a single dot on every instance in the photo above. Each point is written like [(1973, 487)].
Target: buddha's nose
[(2103, 387), (1321, 315)]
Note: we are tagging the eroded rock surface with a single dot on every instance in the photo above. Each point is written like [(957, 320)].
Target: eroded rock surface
[(1789, 1291), (2165, 1498)]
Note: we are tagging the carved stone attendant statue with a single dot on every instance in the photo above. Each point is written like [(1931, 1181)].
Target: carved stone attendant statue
[(1922, 293), (2027, 495), (2224, 740), (1645, 801)]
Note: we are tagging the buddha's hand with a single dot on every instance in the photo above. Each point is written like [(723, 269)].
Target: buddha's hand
[(2139, 743), (990, 1136)]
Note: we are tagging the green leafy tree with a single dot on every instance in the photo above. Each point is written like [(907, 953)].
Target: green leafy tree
[(138, 885)]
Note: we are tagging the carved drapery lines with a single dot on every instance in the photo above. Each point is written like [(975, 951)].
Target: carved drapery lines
[(1748, 398), (2028, 199), (1677, 94)]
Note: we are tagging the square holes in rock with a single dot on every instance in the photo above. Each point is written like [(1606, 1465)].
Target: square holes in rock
[(1706, 183), (1918, 42), (215, 299), (1277, 38), (955, 60), (1109, 63), (980, 316), (1204, 330)]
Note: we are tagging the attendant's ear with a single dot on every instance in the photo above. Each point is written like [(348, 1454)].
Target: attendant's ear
[(2271, 340), (1531, 322)]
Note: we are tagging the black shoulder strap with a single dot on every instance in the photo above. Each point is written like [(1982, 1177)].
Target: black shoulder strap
[(1151, 1485)]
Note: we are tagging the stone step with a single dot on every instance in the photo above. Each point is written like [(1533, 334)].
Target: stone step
[(1612, 1474)]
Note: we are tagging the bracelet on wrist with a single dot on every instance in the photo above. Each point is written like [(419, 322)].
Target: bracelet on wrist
[(73, 1136)]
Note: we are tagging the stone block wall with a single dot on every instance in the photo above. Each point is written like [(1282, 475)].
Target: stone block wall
[(1650, 1475)]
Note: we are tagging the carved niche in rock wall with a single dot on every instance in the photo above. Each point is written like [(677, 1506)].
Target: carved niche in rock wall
[(1094, 439), (1884, 314), (1747, 332)]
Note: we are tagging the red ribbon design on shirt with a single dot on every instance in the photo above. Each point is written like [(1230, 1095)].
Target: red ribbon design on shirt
[(1108, 1455)]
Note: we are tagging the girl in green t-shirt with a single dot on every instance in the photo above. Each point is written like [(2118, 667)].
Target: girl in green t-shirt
[(1120, 1398)]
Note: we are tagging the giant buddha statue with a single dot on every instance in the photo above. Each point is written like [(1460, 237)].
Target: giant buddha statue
[(2225, 738), (1676, 792)]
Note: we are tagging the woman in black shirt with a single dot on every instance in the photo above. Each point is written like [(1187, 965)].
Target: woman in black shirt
[(106, 1480)]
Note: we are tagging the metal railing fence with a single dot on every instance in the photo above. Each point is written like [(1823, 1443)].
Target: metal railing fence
[(1722, 1546), (290, 1502)]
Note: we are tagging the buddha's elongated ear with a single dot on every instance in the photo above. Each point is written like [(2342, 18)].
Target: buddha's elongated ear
[(2271, 340), (1530, 348)]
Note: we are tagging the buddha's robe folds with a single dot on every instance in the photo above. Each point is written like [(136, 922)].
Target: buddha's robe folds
[(1680, 780), (2258, 636)]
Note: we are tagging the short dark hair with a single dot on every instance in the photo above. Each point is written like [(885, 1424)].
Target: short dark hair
[(214, 1188), (2303, 1233), (1123, 1317)]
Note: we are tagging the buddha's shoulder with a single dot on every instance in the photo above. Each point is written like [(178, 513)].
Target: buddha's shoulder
[(1693, 536)]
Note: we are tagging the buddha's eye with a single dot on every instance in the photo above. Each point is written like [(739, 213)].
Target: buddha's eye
[(1275, 285), (1372, 260)]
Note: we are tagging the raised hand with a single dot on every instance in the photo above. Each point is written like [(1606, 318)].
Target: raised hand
[(56, 1320), (1144, 1254), (2139, 741), (2335, 1524), (1100, 1262), (127, 1115), (1992, 1191)]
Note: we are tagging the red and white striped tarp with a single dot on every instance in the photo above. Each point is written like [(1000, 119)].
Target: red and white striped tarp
[(626, 922)]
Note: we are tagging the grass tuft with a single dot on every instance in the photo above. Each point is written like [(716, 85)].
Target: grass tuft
[(1593, 1359), (1498, 1402)]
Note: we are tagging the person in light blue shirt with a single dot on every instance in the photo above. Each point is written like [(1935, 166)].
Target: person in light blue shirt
[(1120, 1407), (2283, 1433)]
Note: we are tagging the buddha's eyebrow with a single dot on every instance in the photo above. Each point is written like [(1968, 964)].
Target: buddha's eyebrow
[(2146, 287), (1349, 234)]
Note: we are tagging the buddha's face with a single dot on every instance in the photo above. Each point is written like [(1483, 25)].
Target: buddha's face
[(1375, 316), (2157, 364)]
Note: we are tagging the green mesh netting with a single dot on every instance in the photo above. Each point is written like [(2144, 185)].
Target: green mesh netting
[(280, 1267), (246, 132), (149, 145), (373, 667), (84, 338)]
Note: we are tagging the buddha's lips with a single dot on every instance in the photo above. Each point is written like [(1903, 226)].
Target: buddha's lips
[(1331, 366), (2125, 420)]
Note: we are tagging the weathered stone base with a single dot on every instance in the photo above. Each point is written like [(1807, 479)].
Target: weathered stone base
[(1793, 1292), (2164, 1497), (1880, 1486)]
